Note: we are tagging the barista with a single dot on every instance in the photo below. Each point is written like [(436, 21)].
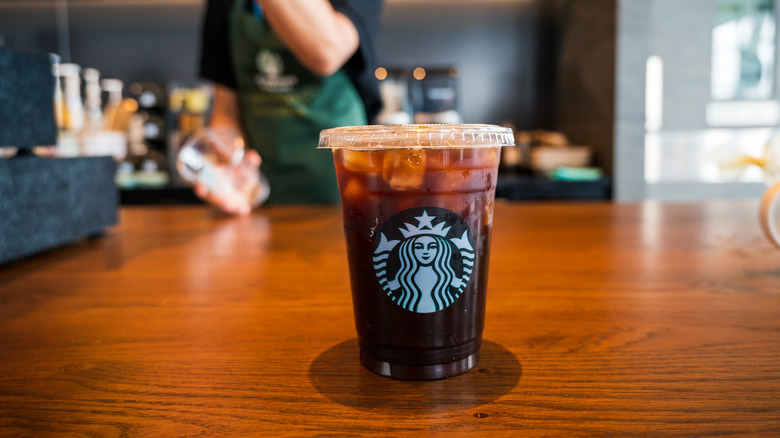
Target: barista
[(283, 71)]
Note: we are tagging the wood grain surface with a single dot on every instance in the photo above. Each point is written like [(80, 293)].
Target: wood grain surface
[(602, 319)]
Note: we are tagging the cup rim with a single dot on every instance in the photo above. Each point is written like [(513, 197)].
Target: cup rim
[(413, 136)]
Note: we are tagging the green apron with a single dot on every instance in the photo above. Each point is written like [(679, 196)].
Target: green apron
[(284, 107)]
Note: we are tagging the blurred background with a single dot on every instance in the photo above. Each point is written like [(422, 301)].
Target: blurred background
[(624, 100)]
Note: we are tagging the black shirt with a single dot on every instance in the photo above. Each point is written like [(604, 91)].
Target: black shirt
[(216, 65)]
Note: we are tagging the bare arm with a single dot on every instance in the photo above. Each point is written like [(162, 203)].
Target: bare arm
[(225, 111), (322, 38)]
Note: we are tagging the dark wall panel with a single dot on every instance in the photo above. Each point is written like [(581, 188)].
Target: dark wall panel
[(505, 49)]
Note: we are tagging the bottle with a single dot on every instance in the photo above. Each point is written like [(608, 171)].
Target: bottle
[(94, 140), (151, 171), (193, 118), (93, 111), (113, 89), (154, 127), (59, 101), (150, 95), (72, 110), (188, 108)]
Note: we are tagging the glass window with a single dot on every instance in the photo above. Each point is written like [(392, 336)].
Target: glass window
[(743, 50)]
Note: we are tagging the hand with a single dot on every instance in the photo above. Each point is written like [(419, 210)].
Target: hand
[(229, 199)]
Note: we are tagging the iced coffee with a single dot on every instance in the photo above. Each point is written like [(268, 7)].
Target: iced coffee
[(417, 202)]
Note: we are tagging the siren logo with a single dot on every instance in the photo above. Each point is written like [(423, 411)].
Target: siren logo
[(424, 258), (270, 68)]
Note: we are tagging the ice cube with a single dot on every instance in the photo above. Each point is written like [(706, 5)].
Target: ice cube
[(439, 159), (352, 189), (477, 158), (404, 169), (361, 161), (490, 157)]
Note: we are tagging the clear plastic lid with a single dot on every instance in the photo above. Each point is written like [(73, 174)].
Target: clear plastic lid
[(373, 137)]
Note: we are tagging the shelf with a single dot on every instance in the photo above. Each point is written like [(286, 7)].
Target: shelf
[(537, 188), (510, 187), (156, 196)]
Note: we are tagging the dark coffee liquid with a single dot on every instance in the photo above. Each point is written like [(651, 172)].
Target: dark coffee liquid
[(419, 190)]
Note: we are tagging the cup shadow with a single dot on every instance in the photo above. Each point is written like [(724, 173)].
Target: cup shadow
[(338, 375)]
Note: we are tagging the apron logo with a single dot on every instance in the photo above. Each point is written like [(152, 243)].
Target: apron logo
[(424, 268), (269, 77)]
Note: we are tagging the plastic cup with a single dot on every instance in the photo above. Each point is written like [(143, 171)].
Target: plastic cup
[(215, 158), (769, 209), (417, 203), (769, 214)]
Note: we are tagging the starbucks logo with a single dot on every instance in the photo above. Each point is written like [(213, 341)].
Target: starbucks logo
[(269, 63), (270, 67), (424, 258)]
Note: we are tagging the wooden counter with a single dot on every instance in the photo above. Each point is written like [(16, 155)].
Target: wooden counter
[(602, 318)]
